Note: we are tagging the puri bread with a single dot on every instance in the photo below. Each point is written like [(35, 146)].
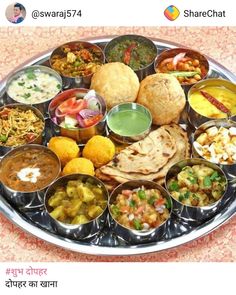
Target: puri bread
[(163, 96), (116, 83)]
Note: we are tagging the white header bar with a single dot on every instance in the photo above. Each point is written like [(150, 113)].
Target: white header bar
[(120, 13)]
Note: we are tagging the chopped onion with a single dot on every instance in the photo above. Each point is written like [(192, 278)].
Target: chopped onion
[(80, 120), (178, 58), (90, 94), (54, 120), (58, 114), (94, 104), (87, 113), (92, 100)]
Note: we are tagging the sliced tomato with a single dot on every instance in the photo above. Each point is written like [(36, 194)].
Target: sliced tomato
[(159, 202), (30, 137), (139, 210), (67, 104), (72, 106), (78, 106), (93, 120)]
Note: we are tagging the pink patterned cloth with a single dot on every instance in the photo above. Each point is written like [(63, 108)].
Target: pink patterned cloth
[(219, 43)]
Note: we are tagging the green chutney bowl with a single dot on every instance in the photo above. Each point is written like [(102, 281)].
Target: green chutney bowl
[(129, 122)]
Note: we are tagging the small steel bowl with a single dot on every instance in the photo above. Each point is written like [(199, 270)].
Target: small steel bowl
[(135, 236), (230, 169), (42, 106), (194, 213), (197, 119), (190, 53), (76, 231), (122, 138), (81, 135), (79, 81), (143, 72), (37, 140), (24, 199)]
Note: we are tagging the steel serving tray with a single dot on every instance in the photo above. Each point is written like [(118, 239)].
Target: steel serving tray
[(34, 219)]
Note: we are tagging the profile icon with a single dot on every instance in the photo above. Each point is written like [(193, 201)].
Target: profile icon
[(15, 13)]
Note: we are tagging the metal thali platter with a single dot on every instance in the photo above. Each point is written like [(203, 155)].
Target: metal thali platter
[(36, 222)]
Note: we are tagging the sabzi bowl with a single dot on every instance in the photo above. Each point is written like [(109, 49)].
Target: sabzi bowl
[(78, 81), (41, 106), (81, 135), (230, 169), (129, 107), (38, 139), (76, 231), (194, 213), (139, 236), (144, 71), (169, 53), (194, 117), (24, 199)]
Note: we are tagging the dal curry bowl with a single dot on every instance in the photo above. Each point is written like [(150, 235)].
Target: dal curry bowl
[(211, 99), (197, 188), (139, 211), (215, 141), (20, 124), (26, 171), (78, 113), (76, 205), (76, 62), (136, 51)]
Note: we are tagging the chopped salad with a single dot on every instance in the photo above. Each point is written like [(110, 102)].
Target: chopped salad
[(140, 209), (78, 112)]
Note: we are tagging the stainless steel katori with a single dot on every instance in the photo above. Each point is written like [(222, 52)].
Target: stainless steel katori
[(170, 53), (38, 140), (81, 135), (139, 236), (41, 106), (78, 81), (107, 242), (25, 199), (76, 231), (143, 72), (229, 170), (194, 117), (127, 107), (194, 213)]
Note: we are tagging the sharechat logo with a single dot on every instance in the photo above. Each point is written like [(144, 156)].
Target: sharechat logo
[(171, 12)]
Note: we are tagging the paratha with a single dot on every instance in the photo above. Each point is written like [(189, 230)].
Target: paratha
[(148, 155), (112, 171)]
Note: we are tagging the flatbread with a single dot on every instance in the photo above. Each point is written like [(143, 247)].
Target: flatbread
[(148, 155), (182, 144), (111, 171)]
